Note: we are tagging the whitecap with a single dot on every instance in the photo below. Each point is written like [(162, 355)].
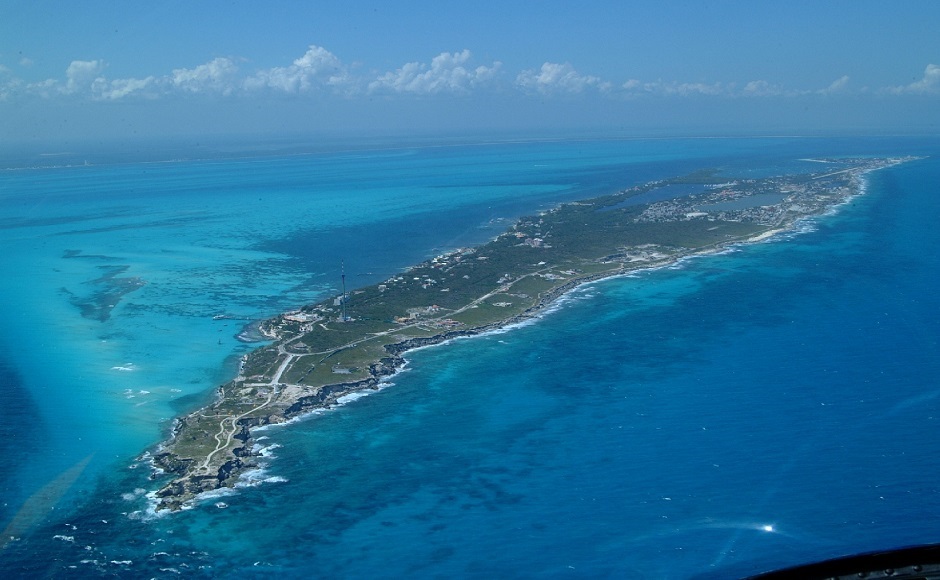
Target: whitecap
[(266, 451), (138, 493), (151, 513), (214, 494), (349, 398)]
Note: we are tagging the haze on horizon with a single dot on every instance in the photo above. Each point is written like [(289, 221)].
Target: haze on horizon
[(107, 69)]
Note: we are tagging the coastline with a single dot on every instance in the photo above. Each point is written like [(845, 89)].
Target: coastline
[(192, 485)]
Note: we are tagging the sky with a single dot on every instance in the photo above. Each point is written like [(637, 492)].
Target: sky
[(102, 69)]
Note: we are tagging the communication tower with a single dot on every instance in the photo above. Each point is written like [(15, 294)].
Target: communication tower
[(343, 273)]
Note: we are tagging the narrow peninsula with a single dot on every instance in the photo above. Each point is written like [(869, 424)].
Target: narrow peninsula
[(350, 342)]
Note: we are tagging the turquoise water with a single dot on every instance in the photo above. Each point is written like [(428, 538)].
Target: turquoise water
[(755, 409)]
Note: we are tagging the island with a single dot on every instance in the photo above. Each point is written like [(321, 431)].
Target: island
[(352, 341)]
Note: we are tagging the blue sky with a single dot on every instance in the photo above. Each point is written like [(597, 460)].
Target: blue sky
[(101, 69)]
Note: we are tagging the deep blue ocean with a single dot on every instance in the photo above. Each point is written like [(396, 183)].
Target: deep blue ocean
[(765, 407)]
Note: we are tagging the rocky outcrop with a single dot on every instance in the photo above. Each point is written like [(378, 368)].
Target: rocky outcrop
[(171, 463), (406, 345)]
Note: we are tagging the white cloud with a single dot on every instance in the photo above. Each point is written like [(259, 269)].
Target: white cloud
[(558, 78), (763, 89), (120, 88), (217, 75), (446, 73), (660, 87), (929, 83), (837, 86), (697, 89), (81, 74), (46, 88), (85, 77), (317, 67), (9, 87), (757, 88)]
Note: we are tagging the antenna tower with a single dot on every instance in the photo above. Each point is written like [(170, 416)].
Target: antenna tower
[(343, 270)]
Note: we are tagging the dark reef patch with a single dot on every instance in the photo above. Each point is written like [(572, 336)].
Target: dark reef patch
[(108, 290)]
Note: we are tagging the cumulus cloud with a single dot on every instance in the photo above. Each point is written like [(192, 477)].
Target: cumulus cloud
[(220, 75), (446, 73), (837, 86), (85, 77), (81, 75), (8, 87), (217, 75), (120, 88), (929, 83), (756, 88), (317, 67), (558, 78), (763, 88), (660, 87)]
